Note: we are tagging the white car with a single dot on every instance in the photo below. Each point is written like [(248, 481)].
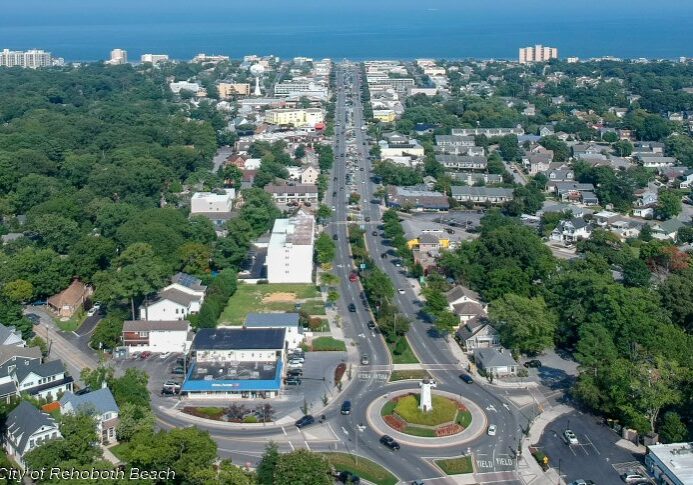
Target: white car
[(570, 437), (491, 430), (400, 291), (164, 355), (94, 310), (295, 365)]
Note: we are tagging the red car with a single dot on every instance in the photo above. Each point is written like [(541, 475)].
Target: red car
[(353, 277), (145, 355)]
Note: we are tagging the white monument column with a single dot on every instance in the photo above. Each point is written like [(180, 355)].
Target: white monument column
[(426, 402)]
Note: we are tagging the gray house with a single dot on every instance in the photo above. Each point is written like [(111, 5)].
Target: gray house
[(27, 428), (495, 362), (101, 404)]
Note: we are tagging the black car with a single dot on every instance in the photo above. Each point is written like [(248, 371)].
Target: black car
[(335, 237), (306, 420), (390, 442), (33, 318), (348, 477), (292, 381), (346, 407), (168, 391), (294, 372), (533, 363), (352, 307), (178, 370), (367, 219), (334, 194), (371, 324), (466, 378), (375, 233)]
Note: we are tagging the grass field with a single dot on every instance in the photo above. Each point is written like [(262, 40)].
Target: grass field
[(328, 343), (406, 357), (365, 468), (249, 299), (388, 408), (444, 411), (400, 375), (464, 419), (422, 432), (456, 466), (73, 323)]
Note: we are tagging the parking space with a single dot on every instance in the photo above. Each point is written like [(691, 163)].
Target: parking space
[(594, 454), (633, 468)]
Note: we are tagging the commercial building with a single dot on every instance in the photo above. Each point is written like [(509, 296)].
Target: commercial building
[(236, 363), (33, 59), (154, 58), (290, 321), (156, 336), (416, 198), (177, 87), (537, 53), (293, 194), (228, 90), (671, 463), (290, 250), (308, 117), (300, 87), (384, 115), (118, 57), (212, 59)]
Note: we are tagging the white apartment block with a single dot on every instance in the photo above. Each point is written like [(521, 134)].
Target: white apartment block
[(290, 250), (205, 202), (118, 57), (154, 58), (296, 117), (538, 53), (33, 59), (300, 87), (157, 336), (177, 87)]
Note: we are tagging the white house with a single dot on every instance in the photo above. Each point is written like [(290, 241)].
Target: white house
[(11, 336), (465, 303), (290, 250), (571, 231), (103, 407), (183, 297), (477, 333), (290, 321), (157, 336), (495, 362), (27, 428), (28, 375), (215, 206)]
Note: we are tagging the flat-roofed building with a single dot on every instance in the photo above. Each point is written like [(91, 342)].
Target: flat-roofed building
[(290, 250), (295, 117), (228, 90), (671, 463)]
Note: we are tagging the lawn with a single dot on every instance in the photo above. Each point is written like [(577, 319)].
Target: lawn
[(388, 408), (444, 411), (456, 466), (365, 468), (328, 344), (73, 323), (464, 419), (254, 298), (210, 412), (406, 357), (400, 375), (422, 432), (314, 307), (121, 451)]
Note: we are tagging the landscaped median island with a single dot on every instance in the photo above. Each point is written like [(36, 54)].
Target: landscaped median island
[(456, 466), (322, 344), (364, 468), (446, 418), (275, 297), (416, 374)]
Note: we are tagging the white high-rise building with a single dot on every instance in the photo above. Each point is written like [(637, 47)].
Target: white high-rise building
[(118, 57), (154, 58), (290, 250), (32, 58), (538, 53)]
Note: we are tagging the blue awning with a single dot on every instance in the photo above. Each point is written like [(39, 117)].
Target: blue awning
[(234, 385)]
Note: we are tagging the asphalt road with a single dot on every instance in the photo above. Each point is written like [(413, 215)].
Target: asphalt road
[(595, 455)]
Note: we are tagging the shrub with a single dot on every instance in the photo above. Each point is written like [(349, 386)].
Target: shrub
[(400, 346)]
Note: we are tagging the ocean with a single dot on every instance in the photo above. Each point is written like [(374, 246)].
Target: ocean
[(355, 29)]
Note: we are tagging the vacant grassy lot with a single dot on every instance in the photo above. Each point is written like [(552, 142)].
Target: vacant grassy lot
[(365, 468), (328, 343), (444, 411), (456, 466), (280, 297)]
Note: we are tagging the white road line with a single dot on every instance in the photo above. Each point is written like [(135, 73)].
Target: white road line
[(306, 443), (592, 444), (284, 431), (291, 445)]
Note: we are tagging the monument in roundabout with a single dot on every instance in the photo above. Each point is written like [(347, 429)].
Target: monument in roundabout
[(426, 414)]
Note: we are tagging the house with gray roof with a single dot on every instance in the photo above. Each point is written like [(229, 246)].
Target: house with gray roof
[(465, 303), (481, 195), (666, 229), (101, 405), (183, 297), (11, 336), (570, 231), (477, 333), (290, 321), (46, 380), (27, 428), (495, 362)]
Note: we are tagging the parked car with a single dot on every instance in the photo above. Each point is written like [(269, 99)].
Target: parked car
[(306, 420), (164, 355), (167, 391), (633, 477), (295, 365), (178, 370), (93, 310), (467, 378), (335, 237), (532, 363), (145, 355), (570, 437), (580, 481), (348, 477), (390, 442), (297, 358), (33, 318), (491, 430), (292, 381), (365, 360), (400, 290), (294, 372), (346, 407), (353, 276), (374, 233), (352, 307)]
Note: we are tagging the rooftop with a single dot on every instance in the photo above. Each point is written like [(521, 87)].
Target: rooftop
[(226, 338), (151, 325), (298, 230), (271, 320), (677, 457)]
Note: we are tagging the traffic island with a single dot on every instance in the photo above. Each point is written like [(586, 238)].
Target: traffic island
[(447, 417)]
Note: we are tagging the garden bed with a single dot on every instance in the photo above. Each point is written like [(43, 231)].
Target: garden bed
[(447, 418), (401, 375)]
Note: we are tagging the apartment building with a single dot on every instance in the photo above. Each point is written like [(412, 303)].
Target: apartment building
[(153, 58), (290, 250), (228, 90), (118, 57), (537, 53), (308, 117), (293, 194), (33, 59)]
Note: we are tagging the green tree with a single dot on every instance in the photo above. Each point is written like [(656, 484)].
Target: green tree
[(672, 429), (131, 388), (133, 419), (268, 465), (18, 291), (525, 324), (446, 322), (108, 332), (92, 254), (194, 258), (636, 273), (324, 248), (623, 148), (668, 204), (303, 467)]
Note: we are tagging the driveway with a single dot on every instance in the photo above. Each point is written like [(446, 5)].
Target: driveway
[(596, 457)]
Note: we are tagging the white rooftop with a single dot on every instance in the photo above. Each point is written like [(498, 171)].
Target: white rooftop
[(677, 457)]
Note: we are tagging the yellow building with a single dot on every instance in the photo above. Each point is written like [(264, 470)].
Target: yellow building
[(429, 241), (227, 90), (384, 115), (295, 117)]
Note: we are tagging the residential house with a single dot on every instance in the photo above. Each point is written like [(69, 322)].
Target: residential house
[(103, 407), (306, 174), (452, 142), (477, 333), (293, 194), (290, 321), (416, 198), (462, 162), (686, 180), (27, 428), (157, 336), (11, 336), (495, 362), (645, 203), (9, 356), (656, 161), (547, 130), (27, 374), (71, 299), (648, 147), (215, 206), (537, 162), (183, 297), (570, 231), (666, 229), (465, 303), (481, 195), (572, 191), (560, 175), (575, 210), (489, 132), (581, 150), (474, 178)]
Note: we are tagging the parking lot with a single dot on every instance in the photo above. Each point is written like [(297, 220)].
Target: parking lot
[(594, 457)]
